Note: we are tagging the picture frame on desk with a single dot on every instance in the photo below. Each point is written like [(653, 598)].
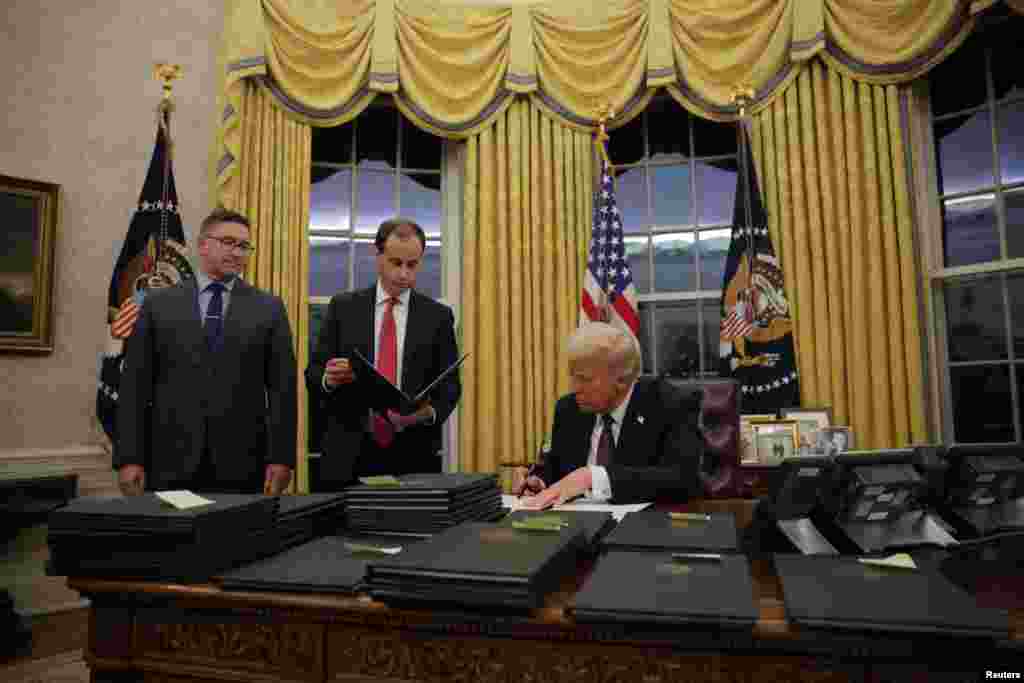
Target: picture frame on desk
[(775, 441), (748, 454), (30, 211), (835, 440), (809, 422)]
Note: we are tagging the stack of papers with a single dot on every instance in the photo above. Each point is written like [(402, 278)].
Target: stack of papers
[(656, 530), (422, 504), (147, 537), (617, 511), (595, 524), (301, 518), (478, 564)]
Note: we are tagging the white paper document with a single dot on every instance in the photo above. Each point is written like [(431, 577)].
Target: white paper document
[(618, 511), (182, 500)]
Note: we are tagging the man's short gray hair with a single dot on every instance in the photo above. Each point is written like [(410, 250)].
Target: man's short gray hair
[(601, 341)]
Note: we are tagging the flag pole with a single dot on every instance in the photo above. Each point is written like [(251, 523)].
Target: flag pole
[(167, 73), (742, 97), (604, 114)]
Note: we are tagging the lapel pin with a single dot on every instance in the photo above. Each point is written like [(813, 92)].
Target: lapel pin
[(640, 419)]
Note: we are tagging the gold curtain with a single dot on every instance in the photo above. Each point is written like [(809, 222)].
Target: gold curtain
[(272, 190), (527, 196), (832, 158)]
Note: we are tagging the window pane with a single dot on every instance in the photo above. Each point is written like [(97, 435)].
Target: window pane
[(366, 263), (1013, 205), (714, 247), (1007, 57), (428, 280), (975, 319), (668, 132), (670, 193), (958, 83), (1015, 287), (970, 230), (626, 144), (645, 337), (328, 265), (631, 197), (965, 154), (716, 188), (712, 323), (678, 338), (1011, 143), (377, 137), (333, 144), (375, 201), (420, 149), (330, 200), (419, 198), (639, 263), (675, 262), (712, 138), (981, 421)]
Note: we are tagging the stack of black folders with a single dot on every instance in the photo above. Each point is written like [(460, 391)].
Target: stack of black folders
[(882, 594), (144, 537), (670, 567), (421, 504), (596, 524), (333, 564), (481, 565), (301, 518)]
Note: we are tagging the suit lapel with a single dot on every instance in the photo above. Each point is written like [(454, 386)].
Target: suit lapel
[(237, 313), (584, 426), (413, 324), (364, 326), (192, 332), (635, 422)]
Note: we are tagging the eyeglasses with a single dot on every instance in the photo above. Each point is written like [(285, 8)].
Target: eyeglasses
[(243, 247)]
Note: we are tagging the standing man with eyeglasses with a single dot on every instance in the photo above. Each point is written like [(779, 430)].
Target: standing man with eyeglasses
[(410, 338), (208, 392)]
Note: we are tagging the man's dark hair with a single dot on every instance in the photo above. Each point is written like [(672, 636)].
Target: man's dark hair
[(222, 215), (388, 227)]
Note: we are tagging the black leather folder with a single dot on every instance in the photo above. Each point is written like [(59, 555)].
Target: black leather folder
[(658, 588), (655, 530), (595, 524), (843, 593), (380, 394), (423, 486), (332, 564), (479, 564)]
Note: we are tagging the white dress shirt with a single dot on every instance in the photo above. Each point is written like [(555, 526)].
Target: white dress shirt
[(202, 282), (601, 485)]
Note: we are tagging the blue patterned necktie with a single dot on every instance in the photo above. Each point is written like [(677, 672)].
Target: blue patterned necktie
[(214, 323)]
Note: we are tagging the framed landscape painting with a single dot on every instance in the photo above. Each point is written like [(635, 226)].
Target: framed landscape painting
[(29, 212)]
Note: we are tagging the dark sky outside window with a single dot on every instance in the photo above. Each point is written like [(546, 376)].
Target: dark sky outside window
[(970, 230), (975, 320), (965, 156)]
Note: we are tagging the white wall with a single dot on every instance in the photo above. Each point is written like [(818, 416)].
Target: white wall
[(80, 111)]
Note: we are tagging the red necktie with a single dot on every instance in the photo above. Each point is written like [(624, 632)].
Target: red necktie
[(387, 364)]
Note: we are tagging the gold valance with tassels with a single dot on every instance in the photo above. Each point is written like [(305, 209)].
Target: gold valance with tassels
[(454, 66)]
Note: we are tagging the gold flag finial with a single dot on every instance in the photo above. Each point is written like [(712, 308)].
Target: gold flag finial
[(167, 73), (605, 113), (742, 95)]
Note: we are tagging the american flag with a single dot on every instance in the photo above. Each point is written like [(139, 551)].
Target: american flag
[(608, 291)]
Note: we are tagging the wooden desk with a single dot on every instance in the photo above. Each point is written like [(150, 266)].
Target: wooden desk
[(168, 633)]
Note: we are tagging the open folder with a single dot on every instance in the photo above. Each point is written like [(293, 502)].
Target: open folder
[(382, 395)]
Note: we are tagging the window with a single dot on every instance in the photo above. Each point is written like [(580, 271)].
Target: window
[(374, 168), (977, 102), (676, 186)]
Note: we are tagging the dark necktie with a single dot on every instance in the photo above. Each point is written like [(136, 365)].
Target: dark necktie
[(387, 363), (214, 323), (606, 444)]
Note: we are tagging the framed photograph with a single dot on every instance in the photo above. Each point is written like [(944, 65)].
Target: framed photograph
[(775, 441), (834, 440), (809, 421), (748, 454), (30, 211)]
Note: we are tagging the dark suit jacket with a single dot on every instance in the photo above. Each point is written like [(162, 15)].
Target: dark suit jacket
[(173, 387), (658, 451), (429, 349)]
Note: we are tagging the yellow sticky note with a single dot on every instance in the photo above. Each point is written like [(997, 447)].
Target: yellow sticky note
[(897, 561)]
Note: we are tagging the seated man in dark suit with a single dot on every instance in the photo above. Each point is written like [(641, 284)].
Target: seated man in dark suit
[(618, 437)]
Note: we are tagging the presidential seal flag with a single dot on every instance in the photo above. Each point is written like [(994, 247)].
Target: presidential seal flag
[(153, 255), (756, 335)]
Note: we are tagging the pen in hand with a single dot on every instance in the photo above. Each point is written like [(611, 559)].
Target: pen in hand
[(532, 471)]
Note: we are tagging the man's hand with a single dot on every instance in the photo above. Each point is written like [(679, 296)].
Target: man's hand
[(422, 414), (526, 484), (574, 484), (132, 479), (276, 479), (338, 371)]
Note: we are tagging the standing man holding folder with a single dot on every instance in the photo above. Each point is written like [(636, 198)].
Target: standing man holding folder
[(410, 339)]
